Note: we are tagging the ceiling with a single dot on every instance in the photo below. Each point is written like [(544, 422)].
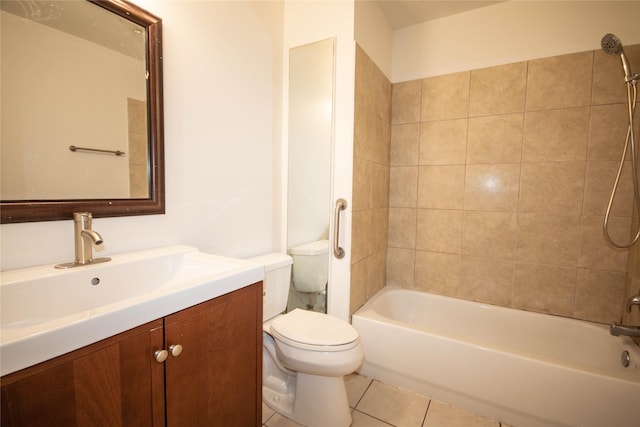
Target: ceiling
[(403, 13)]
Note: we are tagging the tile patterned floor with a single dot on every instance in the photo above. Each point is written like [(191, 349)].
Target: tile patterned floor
[(375, 404)]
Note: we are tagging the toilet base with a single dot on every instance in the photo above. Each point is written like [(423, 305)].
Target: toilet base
[(321, 401), (318, 401)]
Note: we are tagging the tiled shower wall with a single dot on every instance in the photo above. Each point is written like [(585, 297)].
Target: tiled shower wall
[(633, 282), (370, 208), (498, 184)]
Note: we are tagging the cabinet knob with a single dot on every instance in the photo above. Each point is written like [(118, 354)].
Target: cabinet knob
[(175, 350), (161, 355)]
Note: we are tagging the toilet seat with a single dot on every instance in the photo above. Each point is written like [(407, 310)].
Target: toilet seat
[(309, 330)]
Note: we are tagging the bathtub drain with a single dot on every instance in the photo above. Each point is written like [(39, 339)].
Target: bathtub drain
[(625, 358)]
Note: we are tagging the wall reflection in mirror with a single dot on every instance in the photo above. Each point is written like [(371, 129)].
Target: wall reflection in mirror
[(311, 85), (73, 74)]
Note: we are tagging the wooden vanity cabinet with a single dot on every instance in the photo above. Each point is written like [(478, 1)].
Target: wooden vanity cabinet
[(214, 381), (217, 379)]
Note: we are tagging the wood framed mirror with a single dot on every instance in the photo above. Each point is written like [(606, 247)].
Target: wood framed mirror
[(107, 27)]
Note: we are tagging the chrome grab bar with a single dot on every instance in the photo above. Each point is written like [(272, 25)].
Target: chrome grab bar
[(341, 204)]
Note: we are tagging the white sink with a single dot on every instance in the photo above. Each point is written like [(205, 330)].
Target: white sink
[(46, 312)]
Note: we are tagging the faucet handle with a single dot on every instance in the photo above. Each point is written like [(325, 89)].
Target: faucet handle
[(83, 218), (634, 300)]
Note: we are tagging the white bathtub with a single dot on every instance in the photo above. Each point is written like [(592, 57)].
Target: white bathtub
[(518, 367)]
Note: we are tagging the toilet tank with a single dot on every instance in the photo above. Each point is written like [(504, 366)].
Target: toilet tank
[(277, 277), (311, 266)]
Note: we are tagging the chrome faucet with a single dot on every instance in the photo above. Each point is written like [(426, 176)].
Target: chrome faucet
[(634, 300), (84, 238), (632, 331)]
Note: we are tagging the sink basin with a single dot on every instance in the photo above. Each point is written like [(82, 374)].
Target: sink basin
[(46, 312)]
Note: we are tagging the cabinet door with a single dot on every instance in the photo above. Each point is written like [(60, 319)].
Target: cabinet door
[(114, 382), (217, 378)]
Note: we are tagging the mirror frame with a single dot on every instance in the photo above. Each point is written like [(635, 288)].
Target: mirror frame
[(51, 210)]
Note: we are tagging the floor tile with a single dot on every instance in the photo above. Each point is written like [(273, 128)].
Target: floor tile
[(444, 415), (266, 413), (356, 386), (278, 420), (394, 405), (363, 420)]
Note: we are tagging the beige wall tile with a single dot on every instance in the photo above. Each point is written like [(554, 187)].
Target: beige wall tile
[(608, 77), (372, 134), (361, 81), (495, 139), (405, 144), (379, 185), (364, 133), (599, 295), (523, 246), (439, 230), (358, 293), (361, 198), (545, 288), (360, 234), (487, 280), (400, 267), (489, 234), (381, 147), (559, 81), (492, 187), (377, 272), (405, 102), (441, 187), (633, 264), (373, 89), (556, 135), (445, 97), (596, 253), (403, 187), (438, 272), (552, 188), (402, 228), (608, 132), (549, 239), (379, 229), (498, 90), (599, 184), (443, 142)]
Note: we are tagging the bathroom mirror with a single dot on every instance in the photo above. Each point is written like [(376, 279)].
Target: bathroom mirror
[(311, 87), (82, 112)]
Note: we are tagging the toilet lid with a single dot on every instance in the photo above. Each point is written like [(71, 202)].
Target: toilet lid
[(312, 328)]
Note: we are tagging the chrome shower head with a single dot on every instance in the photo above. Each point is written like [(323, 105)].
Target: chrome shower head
[(612, 45)]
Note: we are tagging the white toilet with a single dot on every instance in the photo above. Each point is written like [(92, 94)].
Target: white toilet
[(310, 261), (305, 354)]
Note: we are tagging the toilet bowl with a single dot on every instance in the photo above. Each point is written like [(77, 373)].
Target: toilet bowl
[(306, 355)]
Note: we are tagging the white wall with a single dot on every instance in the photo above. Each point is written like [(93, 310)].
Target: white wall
[(221, 117), (374, 34), (306, 22), (509, 32)]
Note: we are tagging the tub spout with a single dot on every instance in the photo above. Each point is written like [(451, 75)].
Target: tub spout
[(630, 331)]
